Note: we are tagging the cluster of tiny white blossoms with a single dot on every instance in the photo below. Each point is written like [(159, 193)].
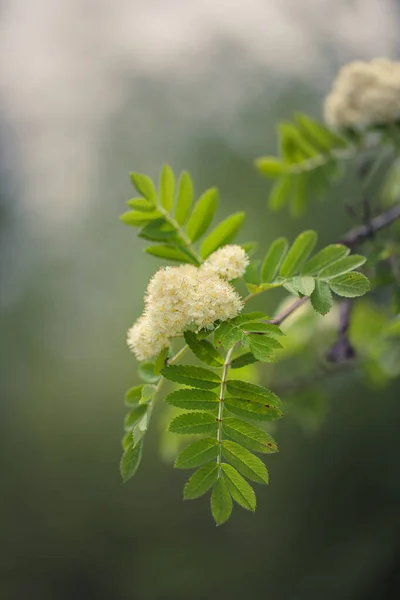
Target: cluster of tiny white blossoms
[(365, 93), (178, 297)]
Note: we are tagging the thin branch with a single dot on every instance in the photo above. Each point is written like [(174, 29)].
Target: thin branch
[(288, 311)]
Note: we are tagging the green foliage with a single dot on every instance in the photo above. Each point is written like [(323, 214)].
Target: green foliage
[(194, 422), (197, 453), (194, 376), (221, 502), (223, 234), (193, 399)]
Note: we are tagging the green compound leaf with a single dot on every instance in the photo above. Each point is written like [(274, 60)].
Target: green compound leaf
[(350, 285), (193, 376), (133, 395), (201, 481), (253, 410), (197, 454), (144, 186), (304, 285), (270, 166), (243, 360), (169, 253), (227, 334), (241, 491), (221, 502), (191, 399), (273, 259), (251, 391), (343, 265), (194, 423), (130, 461), (137, 218), (141, 204), (262, 328), (249, 435), (202, 215), (185, 198), (323, 258), (167, 187), (224, 233), (134, 416), (245, 462), (299, 252), (263, 347), (321, 298), (203, 350)]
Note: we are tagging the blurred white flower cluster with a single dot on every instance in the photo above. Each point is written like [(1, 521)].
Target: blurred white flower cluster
[(365, 93), (178, 297)]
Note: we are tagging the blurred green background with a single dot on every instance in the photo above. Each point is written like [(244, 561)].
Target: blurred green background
[(90, 91)]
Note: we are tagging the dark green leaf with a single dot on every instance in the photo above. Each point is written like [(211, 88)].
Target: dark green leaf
[(185, 198), (243, 360), (203, 350), (251, 391), (202, 214), (241, 491), (249, 435), (253, 410), (245, 462), (193, 376), (304, 285), (130, 461), (169, 253), (343, 265), (197, 453), (221, 502), (263, 346), (321, 298), (134, 416), (144, 186), (194, 423), (167, 187), (192, 399), (201, 481), (263, 328), (248, 317), (270, 166), (273, 259), (227, 334), (350, 285), (223, 234), (299, 251), (323, 258), (133, 395)]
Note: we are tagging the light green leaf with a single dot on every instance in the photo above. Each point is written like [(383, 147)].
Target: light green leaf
[(141, 204), (319, 135), (299, 251), (299, 194), (148, 392), (223, 234), (140, 429), (263, 346), (270, 166), (253, 410), (273, 259), (137, 218), (192, 399), (263, 287), (203, 350), (144, 186), (243, 360), (167, 187), (280, 193), (350, 285), (304, 285), (133, 395), (134, 416), (343, 265), (245, 462), (202, 214), (262, 327), (159, 230), (249, 435), (147, 373), (221, 502), (248, 317), (193, 376), (185, 198), (130, 461), (195, 422), (161, 360), (197, 453), (169, 253), (294, 147), (323, 258), (251, 274), (126, 440), (241, 491), (321, 298), (201, 481), (227, 334), (251, 391)]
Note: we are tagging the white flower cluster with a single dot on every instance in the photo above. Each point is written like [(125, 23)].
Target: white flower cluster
[(365, 93), (180, 296)]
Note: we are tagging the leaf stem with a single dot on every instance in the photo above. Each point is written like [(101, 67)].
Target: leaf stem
[(224, 378)]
